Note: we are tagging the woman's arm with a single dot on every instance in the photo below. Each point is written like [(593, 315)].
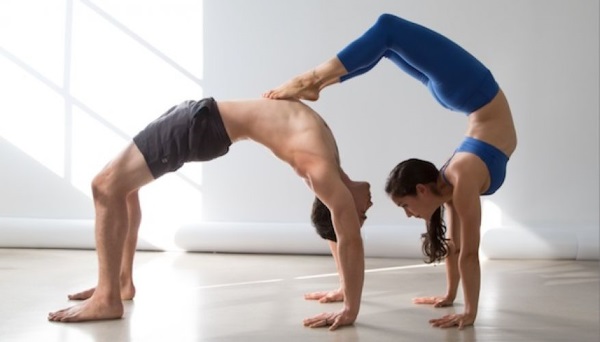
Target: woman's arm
[(468, 208), (452, 272), (467, 180)]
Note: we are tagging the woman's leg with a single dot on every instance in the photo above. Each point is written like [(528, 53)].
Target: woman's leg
[(420, 52), (452, 74), (357, 58), (414, 48)]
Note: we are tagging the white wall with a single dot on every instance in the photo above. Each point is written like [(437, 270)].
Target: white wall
[(544, 54)]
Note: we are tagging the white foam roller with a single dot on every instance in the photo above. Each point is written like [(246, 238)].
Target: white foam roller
[(300, 238), (588, 244), (46, 233), (517, 243), (250, 238), (51, 233), (393, 241), (379, 241)]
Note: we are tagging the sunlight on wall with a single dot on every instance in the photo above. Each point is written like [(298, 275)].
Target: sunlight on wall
[(32, 113), (491, 216), (95, 75)]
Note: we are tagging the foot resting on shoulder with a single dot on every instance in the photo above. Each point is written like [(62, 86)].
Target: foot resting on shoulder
[(302, 87)]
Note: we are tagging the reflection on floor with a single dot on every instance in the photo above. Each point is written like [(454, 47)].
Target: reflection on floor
[(238, 297)]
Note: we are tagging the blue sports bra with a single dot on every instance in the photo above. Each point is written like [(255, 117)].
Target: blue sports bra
[(494, 159)]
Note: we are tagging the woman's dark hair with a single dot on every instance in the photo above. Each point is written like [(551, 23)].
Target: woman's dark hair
[(321, 220), (403, 181)]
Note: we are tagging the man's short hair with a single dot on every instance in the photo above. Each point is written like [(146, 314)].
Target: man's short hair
[(321, 220)]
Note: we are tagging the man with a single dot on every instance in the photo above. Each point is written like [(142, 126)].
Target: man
[(201, 131)]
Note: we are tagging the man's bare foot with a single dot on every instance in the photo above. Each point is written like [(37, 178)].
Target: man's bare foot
[(90, 310), (127, 293), (303, 87)]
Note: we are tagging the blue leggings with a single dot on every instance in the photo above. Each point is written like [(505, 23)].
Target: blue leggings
[(457, 80)]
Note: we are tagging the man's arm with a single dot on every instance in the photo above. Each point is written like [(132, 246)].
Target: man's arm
[(335, 295), (331, 190)]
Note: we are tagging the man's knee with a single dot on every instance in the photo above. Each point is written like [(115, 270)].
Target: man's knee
[(104, 185)]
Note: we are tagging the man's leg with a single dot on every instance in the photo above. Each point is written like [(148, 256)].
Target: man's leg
[(111, 188), (135, 219), (127, 287)]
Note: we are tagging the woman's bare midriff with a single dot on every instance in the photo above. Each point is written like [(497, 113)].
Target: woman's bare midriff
[(493, 123)]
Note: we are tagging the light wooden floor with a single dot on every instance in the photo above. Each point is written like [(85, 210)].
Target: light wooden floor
[(229, 297)]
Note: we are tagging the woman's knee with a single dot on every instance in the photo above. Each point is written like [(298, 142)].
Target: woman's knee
[(453, 248), (386, 20)]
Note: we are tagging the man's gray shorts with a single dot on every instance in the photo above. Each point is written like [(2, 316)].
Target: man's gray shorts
[(190, 131)]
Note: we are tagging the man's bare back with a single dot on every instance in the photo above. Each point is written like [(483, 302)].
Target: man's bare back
[(289, 128)]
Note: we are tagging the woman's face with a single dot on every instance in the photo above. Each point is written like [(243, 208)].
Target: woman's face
[(422, 205)]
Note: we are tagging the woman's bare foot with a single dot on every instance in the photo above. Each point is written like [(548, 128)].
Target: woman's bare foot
[(90, 310), (303, 87), (127, 293), (308, 85)]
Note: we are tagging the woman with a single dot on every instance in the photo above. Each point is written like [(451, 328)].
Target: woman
[(459, 82)]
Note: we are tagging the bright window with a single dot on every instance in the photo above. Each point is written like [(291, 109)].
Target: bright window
[(80, 78)]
